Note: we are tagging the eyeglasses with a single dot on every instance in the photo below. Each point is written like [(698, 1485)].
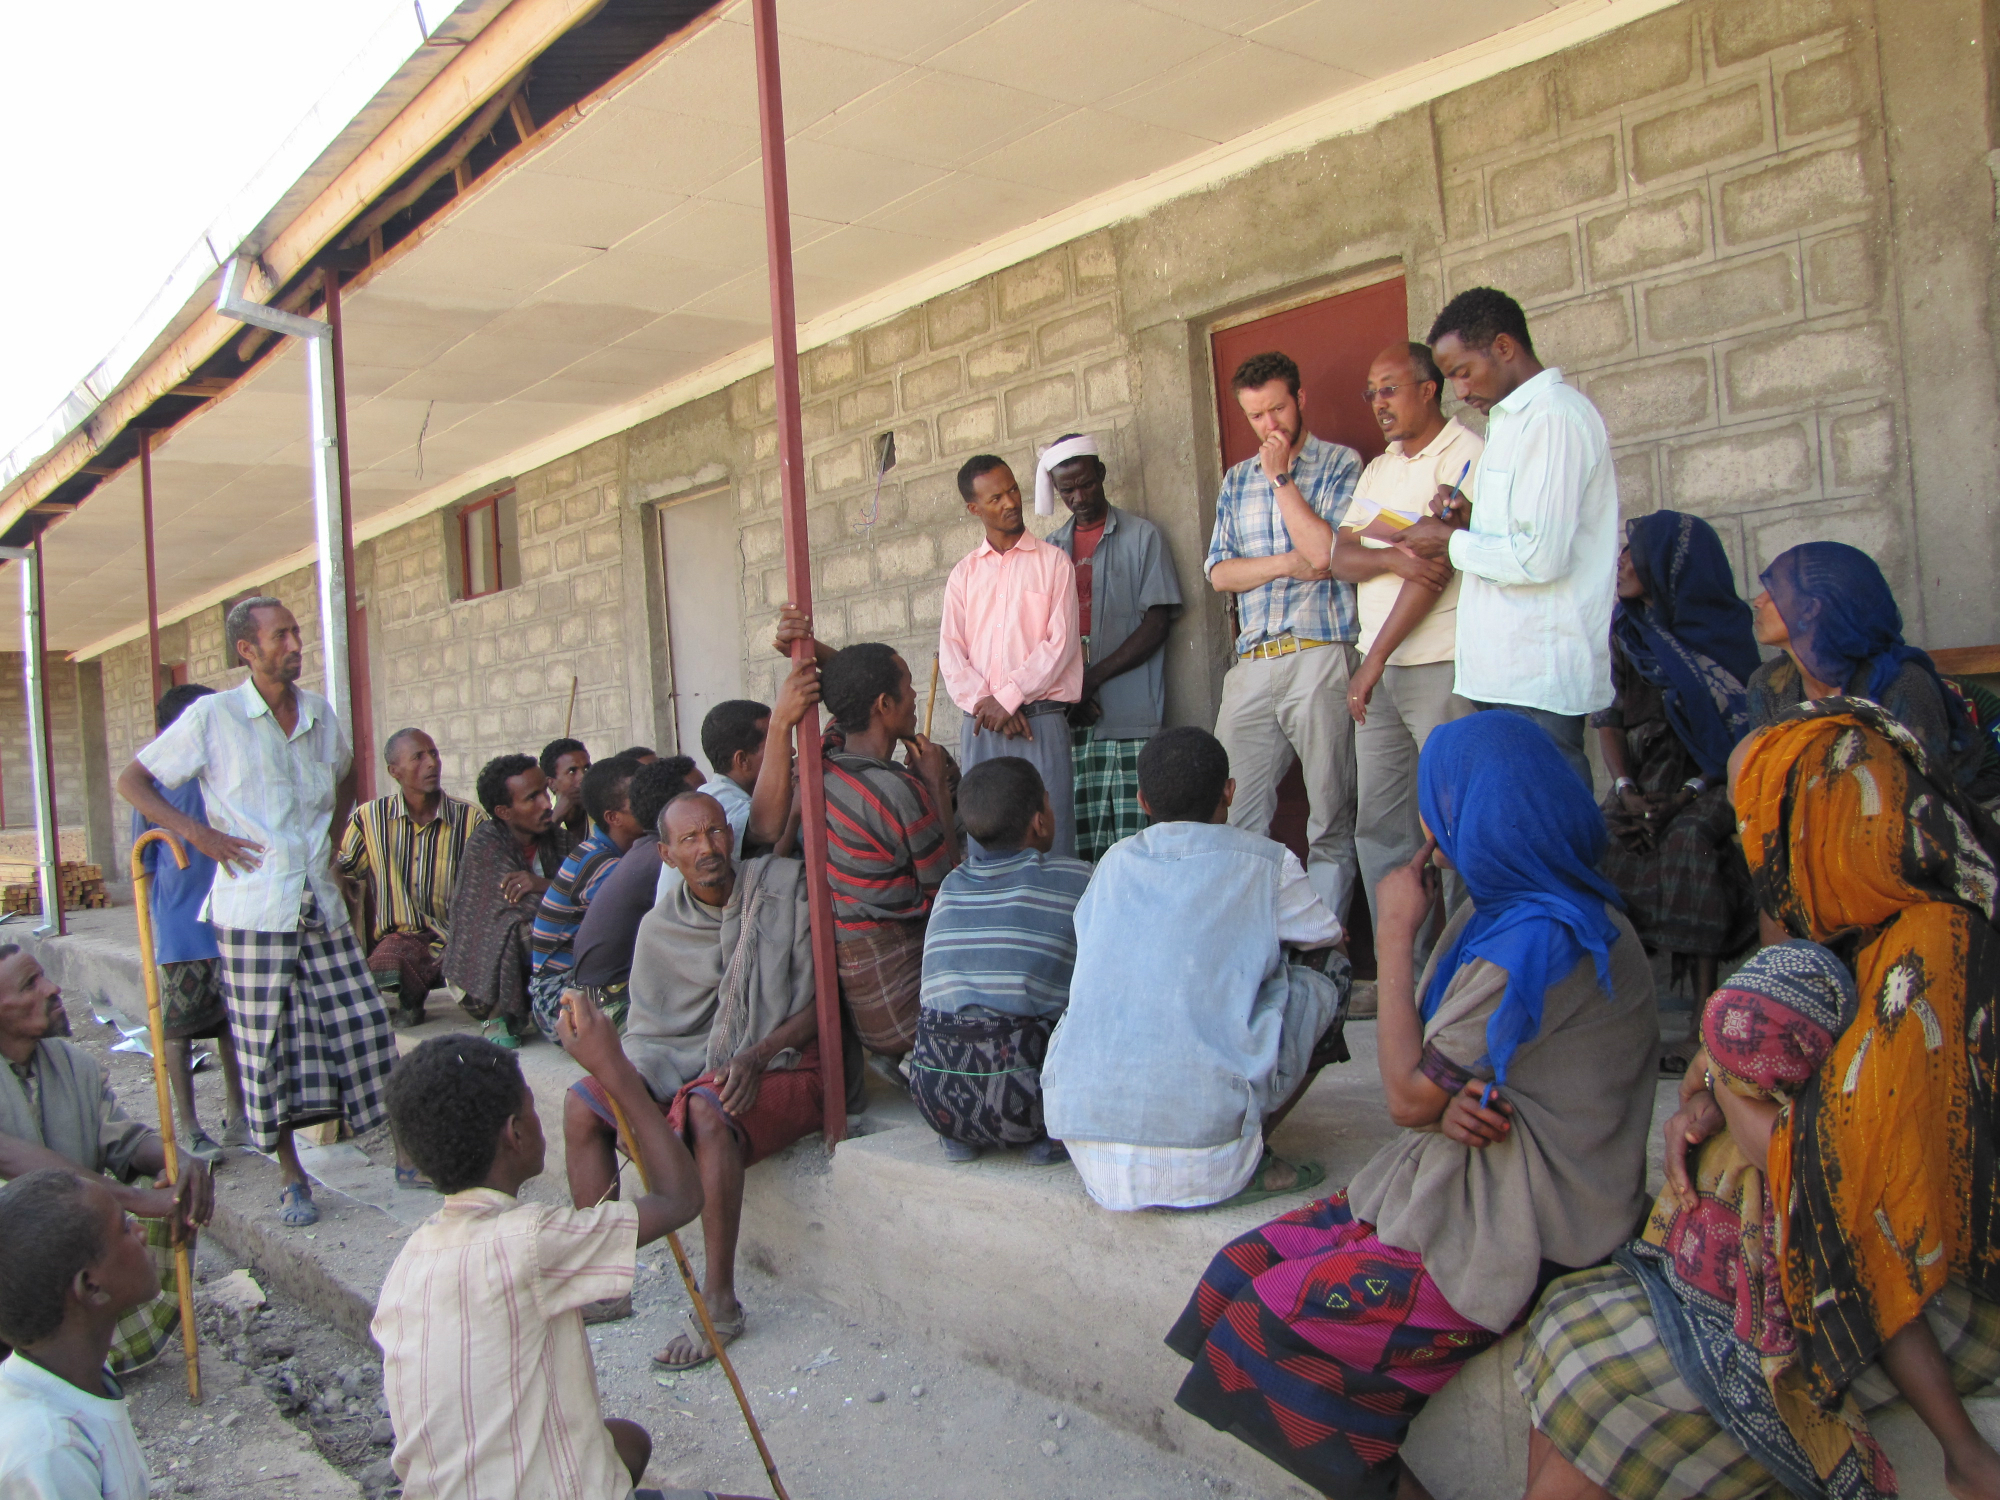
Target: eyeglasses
[(1384, 392)]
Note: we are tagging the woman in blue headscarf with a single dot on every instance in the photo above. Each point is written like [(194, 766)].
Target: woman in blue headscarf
[(1520, 1071), (1831, 610), (1682, 651)]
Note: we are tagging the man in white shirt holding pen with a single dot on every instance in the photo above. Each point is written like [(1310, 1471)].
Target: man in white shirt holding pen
[(1406, 684), (1539, 552)]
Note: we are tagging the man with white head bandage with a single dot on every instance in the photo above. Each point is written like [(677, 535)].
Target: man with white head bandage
[(1127, 595)]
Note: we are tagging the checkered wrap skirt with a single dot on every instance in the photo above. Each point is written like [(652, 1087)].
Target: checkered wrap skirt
[(311, 1030), (1107, 793), (1602, 1387)]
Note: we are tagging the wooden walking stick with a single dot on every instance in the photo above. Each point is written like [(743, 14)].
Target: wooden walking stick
[(931, 708), (701, 1307), (142, 889), (569, 716)]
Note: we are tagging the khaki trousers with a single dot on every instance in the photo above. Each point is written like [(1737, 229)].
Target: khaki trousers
[(1408, 703), (1283, 708)]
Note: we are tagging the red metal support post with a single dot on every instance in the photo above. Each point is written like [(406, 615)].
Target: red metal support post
[(361, 727), (798, 558), (152, 582), (48, 809)]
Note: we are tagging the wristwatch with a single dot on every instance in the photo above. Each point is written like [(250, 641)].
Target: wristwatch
[(1279, 481)]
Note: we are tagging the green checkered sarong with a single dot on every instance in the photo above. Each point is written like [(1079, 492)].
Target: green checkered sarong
[(139, 1336), (1601, 1386), (1107, 792)]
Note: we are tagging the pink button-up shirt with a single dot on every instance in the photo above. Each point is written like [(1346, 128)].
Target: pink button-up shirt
[(1010, 627)]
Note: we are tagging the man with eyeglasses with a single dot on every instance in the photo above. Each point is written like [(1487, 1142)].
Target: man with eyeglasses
[(1408, 607)]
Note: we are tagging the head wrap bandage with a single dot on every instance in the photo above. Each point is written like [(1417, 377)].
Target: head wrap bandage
[(1058, 453)]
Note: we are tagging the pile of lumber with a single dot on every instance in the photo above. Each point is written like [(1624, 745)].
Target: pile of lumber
[(82, 888)]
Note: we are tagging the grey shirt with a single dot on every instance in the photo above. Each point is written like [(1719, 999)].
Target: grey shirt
[(1130, 573)]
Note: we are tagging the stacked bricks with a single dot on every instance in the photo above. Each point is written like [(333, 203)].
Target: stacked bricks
[(1694, 211)]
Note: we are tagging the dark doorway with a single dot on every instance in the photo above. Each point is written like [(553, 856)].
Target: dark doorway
[(1333, 339)]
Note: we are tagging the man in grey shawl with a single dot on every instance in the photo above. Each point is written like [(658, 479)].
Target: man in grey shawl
[(723, 1029), (56, 1110)]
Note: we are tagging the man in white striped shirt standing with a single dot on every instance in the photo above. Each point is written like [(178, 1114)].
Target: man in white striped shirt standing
[(1540, 549), (277, 775)]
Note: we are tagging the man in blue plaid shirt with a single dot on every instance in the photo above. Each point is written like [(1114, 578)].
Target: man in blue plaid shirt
[(1286, 694)]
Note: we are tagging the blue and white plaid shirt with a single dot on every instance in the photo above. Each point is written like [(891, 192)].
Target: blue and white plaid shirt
[(1248, 524)]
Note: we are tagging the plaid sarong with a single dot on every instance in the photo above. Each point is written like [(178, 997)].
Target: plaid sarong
[(1602, 1387), (138, 1338), (881, 976), (408, 966), (1107, 792), (311, 1029)]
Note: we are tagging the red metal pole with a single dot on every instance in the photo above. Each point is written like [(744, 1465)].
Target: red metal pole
[(362, 725), (152, 583), (48, 730), (798, 559)]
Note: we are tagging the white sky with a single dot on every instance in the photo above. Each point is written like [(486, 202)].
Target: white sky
[(126, 126)]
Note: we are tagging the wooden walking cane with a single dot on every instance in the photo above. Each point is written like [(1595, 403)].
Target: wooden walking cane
[(142, 887), (569, 716), (701, 1307), (931, 707)]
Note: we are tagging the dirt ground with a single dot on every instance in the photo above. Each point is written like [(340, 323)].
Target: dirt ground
[(851, 1412)]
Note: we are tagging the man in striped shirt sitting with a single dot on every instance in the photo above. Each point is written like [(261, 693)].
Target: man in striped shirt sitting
[(997, 960), (400, 858)]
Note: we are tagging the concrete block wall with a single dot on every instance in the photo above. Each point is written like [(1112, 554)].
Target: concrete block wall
[(1005, 365), (65, 734), (1696, 212), (490, 676)]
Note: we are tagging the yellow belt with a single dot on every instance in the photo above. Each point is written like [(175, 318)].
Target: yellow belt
[(1285, 645)]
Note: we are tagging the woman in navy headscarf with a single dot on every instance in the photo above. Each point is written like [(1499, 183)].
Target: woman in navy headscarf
[(1682, 652), (1520, 1069), (1828, 605)]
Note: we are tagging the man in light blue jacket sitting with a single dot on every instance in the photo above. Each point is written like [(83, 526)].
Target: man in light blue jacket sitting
[(1191, 1029)]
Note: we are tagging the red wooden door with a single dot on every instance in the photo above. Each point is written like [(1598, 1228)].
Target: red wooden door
[(1333, 341)]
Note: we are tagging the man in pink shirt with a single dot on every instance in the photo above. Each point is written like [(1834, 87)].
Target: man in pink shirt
[(1008, 645)]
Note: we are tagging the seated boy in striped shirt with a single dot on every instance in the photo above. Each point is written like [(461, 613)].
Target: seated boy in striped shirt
[(485, 1363), (997, 960)]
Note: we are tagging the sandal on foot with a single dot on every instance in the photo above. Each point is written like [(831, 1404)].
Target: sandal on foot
[(296, 1209), (729, 1330), (201, 1146), (1310, 1175), (957, 1150), (236, 1133), (1047, 1153), (413, 1177), (500, 1034)]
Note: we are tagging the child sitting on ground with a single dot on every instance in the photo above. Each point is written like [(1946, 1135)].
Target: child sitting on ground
[(493, 1288), (71, 1265), (997, 960)]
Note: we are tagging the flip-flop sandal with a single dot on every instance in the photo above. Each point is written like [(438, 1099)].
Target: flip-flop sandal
[(236, 1133), (201, 1145), (1310, 1175), (729, 1330), (413, 1177), (296, 1209)]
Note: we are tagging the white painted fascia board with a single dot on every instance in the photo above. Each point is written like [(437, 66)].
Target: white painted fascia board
[(1356, 110)]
